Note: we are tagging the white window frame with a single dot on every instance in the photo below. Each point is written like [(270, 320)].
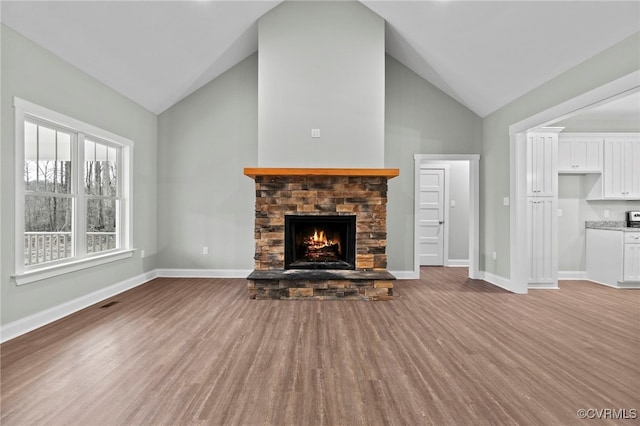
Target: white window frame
[(24, 109)]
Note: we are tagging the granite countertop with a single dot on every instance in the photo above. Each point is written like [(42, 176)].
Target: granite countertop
[(611, 225)]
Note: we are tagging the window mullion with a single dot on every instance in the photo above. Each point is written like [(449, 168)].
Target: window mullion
[(80, 205), (119, 222), (19, 190)]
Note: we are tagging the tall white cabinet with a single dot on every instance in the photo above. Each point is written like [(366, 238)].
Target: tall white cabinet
[(542, 200)]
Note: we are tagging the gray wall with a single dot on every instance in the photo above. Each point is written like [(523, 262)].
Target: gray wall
[(207, 139), (321, 66), (36, 75), (420, 119), (204, 199), (613, 63), (459, 215)]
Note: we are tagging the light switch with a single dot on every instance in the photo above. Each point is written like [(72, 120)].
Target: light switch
[(453, 203), (505, 201), (559, 212)]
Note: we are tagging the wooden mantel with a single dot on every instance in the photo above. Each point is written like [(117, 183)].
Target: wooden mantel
[(252, 172)]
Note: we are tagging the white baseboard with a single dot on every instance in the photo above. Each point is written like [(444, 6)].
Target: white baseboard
[(618, 284), (572, 275), (542, 286), (204, 273), (40, 319), (497, 280), (405, 275), (628, 285), (457, 263)]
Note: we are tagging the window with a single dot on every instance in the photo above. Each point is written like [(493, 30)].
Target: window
[(72, 207)]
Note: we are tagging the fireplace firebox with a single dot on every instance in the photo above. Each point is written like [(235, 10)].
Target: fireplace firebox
[(319, 242)]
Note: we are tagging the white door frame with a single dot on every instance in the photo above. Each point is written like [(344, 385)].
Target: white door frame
[(519, 261), (429, 165), (474, 207)]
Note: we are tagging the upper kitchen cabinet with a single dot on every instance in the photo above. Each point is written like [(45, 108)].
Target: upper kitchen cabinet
[(542, 162), (620, 178), (622, 167), (579, 153)]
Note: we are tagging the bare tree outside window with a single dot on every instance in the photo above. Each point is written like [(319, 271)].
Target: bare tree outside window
[(47, 209), (50, 197)]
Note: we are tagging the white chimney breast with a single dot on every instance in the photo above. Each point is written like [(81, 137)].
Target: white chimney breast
[(321, 65)]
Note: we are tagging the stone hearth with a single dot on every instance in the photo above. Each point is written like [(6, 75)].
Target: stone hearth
[(358, 192)]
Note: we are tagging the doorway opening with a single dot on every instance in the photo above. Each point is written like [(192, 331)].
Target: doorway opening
[(519, 260), (446, 194)]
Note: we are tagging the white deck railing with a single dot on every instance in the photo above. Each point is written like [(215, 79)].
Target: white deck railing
[(42, 247)]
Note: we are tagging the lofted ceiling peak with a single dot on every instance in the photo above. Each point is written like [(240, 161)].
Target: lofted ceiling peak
[(484, 54)]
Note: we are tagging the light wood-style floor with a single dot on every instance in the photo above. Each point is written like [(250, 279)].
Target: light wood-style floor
[(446, 351)]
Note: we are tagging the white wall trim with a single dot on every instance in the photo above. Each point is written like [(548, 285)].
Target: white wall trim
[(542, 286), (50, 271), (606, 93), (40, 319), (620, 285), (627, 285), (572, 275), (474, 207), (204, 273), (405, 275), (458, 262), (497, 280)]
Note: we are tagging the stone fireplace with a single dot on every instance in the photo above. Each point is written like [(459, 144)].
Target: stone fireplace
[(320, 234)]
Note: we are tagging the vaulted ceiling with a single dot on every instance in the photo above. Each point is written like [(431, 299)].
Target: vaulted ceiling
[(482, 53)]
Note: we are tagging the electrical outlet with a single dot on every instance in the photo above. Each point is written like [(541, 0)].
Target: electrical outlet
[(559, 212), (315, 133), (505, 201), (141, 254), (494, 255), (606, 213), (205, 250)]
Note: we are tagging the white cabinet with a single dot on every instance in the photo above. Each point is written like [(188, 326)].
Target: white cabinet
[(631, 256), (542, 164), (622, 168), (542, 241), (542, 199), (579, 154), (620, 178), (613, 257)]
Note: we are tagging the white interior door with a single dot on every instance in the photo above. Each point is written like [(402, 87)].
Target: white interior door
[(431, 219)]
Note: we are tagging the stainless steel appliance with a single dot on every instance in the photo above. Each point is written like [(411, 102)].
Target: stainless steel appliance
[(633, 219)]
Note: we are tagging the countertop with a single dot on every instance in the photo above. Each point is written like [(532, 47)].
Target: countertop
[(610, 225)]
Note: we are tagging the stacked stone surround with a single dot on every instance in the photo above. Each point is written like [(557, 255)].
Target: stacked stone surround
[(290, 194)]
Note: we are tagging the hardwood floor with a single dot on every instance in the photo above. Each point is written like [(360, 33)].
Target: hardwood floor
[(446, 351)]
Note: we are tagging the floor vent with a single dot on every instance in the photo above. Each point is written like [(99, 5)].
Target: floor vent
[(108, 305)]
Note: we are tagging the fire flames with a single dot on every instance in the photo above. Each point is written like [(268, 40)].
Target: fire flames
[(319, 242)]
